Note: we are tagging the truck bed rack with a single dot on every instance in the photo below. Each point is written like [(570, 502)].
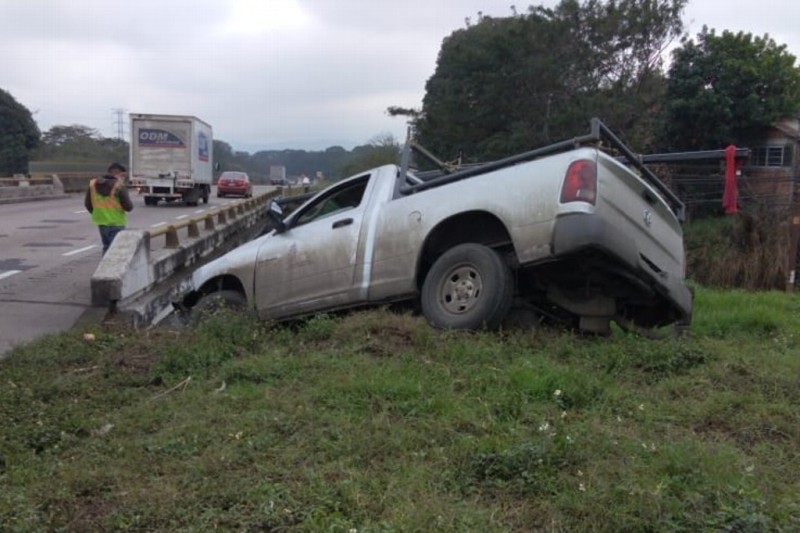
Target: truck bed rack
[(599, 134)]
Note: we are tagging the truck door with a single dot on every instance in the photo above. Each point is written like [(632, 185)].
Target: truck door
[(311, 266)]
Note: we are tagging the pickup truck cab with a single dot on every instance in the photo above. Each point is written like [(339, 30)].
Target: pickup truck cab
[(567, 230)]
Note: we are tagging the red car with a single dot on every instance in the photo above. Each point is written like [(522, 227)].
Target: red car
[(234, 183)]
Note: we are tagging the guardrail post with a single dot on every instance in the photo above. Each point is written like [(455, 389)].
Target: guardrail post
[(172, 237), (209, 223), (194, 230), (221, 219)]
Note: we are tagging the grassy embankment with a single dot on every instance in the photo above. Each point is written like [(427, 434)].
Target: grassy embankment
[(376, 422)]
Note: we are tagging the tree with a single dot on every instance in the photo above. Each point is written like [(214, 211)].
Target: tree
[(79, 143), (726, 89), (381, 150), (19, 134), (504, 85)]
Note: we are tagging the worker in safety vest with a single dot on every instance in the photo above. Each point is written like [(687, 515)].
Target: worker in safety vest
[(107, 200)]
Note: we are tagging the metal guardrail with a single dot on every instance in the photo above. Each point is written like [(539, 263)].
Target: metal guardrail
[(210, 220)]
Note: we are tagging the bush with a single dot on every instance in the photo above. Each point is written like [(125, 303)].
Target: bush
[(746, 251)]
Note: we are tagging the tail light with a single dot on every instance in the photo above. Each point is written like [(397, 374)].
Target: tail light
[(580, 183)]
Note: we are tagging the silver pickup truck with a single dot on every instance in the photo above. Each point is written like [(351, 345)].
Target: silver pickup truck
[(579, 235)]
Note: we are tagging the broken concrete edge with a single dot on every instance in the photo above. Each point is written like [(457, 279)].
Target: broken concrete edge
[(150, 307), (129, 271), (129, 281), (153, 306)]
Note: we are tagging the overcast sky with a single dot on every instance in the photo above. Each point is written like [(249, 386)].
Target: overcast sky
[(265, 74)]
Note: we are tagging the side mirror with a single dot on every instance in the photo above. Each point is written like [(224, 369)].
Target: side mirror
[(275, 214), (216, 167)]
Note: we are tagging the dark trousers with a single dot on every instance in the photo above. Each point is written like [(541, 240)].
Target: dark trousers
[(107, 234)]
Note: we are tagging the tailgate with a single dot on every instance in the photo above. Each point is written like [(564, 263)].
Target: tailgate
[(631, 205)]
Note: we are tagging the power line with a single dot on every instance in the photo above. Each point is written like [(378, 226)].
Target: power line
[(119, 122)]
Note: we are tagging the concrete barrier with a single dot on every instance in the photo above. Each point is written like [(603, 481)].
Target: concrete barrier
[(23, 189), (77, 181), (140, 283)]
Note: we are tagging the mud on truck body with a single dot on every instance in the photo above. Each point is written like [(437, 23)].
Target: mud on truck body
[(580, 232)]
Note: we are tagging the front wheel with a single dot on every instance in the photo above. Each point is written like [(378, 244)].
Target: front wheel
[(468, 287), (215, 302)]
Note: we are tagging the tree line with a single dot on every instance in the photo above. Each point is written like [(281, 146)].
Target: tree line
[(503, 85), (508, 84), (78, 143)]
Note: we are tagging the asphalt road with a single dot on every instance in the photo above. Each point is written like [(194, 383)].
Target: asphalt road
[(48, 253)]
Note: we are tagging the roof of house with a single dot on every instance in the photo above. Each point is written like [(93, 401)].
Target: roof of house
[(789, 132)]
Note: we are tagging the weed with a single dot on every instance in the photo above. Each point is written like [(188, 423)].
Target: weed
[(373, 421)]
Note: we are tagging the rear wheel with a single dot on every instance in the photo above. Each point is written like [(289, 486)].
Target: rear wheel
[(468, 287), (215, 302)]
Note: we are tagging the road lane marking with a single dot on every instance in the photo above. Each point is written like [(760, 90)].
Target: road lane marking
[(9, 273), (158, 224), (199, 211), (182, 216), (81, 212), (79, 250)]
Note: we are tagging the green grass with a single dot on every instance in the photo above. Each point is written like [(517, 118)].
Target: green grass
[(375, 422)]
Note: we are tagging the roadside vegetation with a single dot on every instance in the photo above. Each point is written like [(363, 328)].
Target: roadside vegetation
[(747, 251), (373, 421)]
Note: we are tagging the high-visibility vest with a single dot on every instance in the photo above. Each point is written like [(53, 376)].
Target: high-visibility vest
[(107, 210)]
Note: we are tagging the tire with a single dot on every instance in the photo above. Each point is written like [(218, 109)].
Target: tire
[(215, 302), (468, 287), (206, 194)]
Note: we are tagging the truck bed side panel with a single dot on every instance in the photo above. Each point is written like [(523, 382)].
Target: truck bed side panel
[(523, 197)]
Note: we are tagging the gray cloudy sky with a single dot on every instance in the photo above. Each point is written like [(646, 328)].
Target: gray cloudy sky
[(265, 73)]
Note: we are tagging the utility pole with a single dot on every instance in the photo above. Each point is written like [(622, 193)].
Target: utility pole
[(118, 113)]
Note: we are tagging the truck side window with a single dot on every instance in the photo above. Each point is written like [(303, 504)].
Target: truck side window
[(340, 200)]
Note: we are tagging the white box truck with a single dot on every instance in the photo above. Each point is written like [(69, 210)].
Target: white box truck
[(171, 158)]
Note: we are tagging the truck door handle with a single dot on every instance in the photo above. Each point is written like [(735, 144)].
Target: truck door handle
[(342, 223)]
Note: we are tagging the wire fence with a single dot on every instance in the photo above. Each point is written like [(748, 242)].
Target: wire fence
[(701, 188), (761, 247)]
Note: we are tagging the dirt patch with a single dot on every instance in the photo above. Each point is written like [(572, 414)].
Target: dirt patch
[(138, 364)]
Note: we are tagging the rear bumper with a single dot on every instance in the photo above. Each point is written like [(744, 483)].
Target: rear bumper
[(225, 190), (575, 233)]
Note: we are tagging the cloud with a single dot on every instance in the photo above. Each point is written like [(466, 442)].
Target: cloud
[(289, 73)]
